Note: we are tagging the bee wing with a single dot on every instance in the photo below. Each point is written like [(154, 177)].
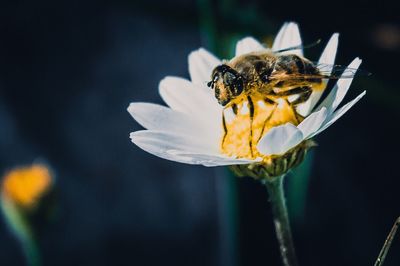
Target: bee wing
[(339, 71), (326, 71)]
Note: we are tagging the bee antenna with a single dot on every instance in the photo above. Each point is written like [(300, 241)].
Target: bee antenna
[(313, 44), (300, 46)]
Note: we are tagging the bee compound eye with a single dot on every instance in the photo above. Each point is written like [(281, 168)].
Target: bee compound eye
[(265, 78), (265, 75), (234, 82), (229, 78), (237, 87)]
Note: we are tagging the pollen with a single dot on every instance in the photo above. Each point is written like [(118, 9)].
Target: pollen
[(255, 117), (26, 185)]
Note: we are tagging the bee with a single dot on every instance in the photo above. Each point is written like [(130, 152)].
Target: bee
[(270, 76)]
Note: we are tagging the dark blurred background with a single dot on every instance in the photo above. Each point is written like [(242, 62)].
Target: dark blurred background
[(69, 69)]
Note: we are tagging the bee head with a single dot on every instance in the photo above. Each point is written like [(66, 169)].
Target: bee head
[(227, 84)]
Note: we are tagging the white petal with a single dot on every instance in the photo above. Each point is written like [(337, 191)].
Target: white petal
[(213, 159), (163, 154), (164, 141), (328, 58), (280, 139), (201, 65), (278, 38), (157, 117), (181, 149), (182, 95), (335, 97), (329, 54), (248, 45), (288, 36), (339, 113), (312, 123)]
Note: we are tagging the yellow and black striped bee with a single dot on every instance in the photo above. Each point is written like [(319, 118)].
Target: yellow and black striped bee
[(269, 76), (266, 88)]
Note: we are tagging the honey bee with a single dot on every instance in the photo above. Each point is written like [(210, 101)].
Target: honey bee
[(269, 76)]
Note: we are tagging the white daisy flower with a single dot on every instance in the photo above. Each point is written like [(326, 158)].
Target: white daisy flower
[(192, 129)]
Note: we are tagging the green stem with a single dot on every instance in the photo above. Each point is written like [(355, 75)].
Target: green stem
[(228, 217), (387, 244), (21, 228), (281, 220), (31, 252)]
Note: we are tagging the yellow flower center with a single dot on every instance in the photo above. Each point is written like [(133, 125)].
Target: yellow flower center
[(249, 119), (26, 185)]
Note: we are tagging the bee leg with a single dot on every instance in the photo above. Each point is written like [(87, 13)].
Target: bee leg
[(224, 127), (269, 100), (267, 119), (303, 93), (234, 108), (303, 96), (293, 91), (251, 111)]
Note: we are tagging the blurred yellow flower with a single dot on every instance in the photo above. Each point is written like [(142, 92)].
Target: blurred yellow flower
[(26, 185)]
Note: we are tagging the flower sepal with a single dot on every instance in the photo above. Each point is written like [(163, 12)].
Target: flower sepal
[(275, 165)]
